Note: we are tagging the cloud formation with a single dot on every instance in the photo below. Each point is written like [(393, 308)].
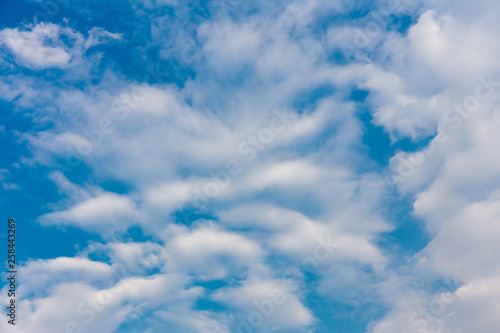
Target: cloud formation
[(226, 164)]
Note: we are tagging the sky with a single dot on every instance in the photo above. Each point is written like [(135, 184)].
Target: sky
[(221, 166)]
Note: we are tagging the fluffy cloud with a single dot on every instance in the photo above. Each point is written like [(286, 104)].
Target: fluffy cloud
[(47, 45), (269, 305), (106, 211), (270, 99)]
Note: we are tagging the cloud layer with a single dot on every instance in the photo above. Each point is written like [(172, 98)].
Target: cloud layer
[(234, 138)]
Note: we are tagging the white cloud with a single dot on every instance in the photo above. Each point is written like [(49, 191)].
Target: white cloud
[(40, 47), (99, 36), (313, 180), (81, 306), (212, 253), (107, 213), (470, 308), (48, 45), (267, 305)]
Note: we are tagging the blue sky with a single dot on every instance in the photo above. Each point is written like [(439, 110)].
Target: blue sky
[(228, 166)]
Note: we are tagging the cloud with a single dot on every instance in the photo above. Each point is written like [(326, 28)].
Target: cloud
[(87, 308), (99, 36), (108, 212), (48, 45), (261, 86), (40, 47), (212, 253), (467, 309), (4, 174), (267, 305)]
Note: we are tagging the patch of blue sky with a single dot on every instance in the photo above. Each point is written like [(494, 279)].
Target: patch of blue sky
[(30, 200)]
